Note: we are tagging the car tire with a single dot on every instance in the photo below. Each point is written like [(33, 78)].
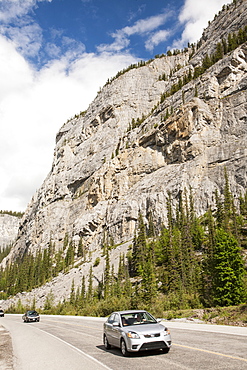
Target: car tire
[(106, 343), (165, 350), (123, 348)]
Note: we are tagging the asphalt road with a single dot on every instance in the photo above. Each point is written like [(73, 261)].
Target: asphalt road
[(64, 342)]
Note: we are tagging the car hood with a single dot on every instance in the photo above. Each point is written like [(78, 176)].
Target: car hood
[(145, 328)]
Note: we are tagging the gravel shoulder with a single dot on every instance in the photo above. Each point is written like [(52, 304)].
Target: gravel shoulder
[(6, 350)]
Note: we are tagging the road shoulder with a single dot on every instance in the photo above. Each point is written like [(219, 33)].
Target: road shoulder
[(6, 350)]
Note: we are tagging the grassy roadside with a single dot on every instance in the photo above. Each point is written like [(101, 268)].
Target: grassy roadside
[(232, 315)]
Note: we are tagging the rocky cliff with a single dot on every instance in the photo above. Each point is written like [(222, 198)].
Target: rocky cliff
[(8, 229), (131, 148)]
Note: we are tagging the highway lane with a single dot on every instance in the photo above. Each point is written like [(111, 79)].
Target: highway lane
[(64, 342)]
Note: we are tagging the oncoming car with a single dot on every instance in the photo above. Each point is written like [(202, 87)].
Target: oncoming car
[(30, 316), (135, 330)]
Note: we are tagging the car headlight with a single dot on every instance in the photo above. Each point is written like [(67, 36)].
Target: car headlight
[(167, 331), (133, 335)]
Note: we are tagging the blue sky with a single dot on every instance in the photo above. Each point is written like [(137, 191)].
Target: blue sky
[(54, 57), (48, 29)]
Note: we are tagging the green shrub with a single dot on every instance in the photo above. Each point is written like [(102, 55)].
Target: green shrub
[(96, 262)]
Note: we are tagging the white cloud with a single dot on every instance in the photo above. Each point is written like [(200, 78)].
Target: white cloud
[(19, 26), (121, 42), (34, 105), (140, 27), (27, 38), (156, 38), (146, 25), (11, 9), (195, 16)]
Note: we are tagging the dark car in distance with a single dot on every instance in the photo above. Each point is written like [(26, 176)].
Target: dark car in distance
[(1, 313), (30, 316)]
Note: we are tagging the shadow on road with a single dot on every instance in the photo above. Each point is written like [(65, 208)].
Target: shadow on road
[(116, 352)]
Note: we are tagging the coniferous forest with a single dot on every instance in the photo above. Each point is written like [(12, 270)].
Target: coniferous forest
[(192, 262)]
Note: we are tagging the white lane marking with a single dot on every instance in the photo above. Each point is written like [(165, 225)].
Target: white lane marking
[(208, 328), (78, 350), (74, 331)]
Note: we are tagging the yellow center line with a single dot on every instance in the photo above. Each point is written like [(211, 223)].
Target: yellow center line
[(212, 352), (178, 345)]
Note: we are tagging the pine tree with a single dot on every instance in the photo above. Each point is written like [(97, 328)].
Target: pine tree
[(151, 228), (70, 255), (208, 264), (149, 286), (72, 293), (65, 241), (169, 212), (228, 282), (82, 293), (112, 280), (90, 285), (127, 289), (243, 204), (225, 46), (77, 298), (219, 210), (219, 52), (121, 268), (139, 247), (206, 63), (107, 275), (80, 249), (227, 201)]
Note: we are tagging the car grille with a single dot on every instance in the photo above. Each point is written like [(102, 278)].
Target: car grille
[(152, 335), (153, 345)]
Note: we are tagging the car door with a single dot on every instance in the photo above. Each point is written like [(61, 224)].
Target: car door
[(109, 328), (116, 330)]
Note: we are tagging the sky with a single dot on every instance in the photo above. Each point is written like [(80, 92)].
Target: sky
[(55, 55)]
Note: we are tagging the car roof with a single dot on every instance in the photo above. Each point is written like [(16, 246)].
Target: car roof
[(129, 311)]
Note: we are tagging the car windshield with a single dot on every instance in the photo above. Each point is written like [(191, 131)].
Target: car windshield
[(32, 313), (137, 318)]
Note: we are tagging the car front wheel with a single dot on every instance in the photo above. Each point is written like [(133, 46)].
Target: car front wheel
[(106, 343), (123, 348), (165, 350)]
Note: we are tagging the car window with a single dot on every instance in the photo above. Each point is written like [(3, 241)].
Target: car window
[(111, 318), (116, 318), (32, 313), (137, 318)]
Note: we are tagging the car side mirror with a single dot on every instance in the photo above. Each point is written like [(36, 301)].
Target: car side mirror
[(115, 323)]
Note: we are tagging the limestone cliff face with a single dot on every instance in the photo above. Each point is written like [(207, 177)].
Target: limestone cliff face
[(104, 173), (8, 229)]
